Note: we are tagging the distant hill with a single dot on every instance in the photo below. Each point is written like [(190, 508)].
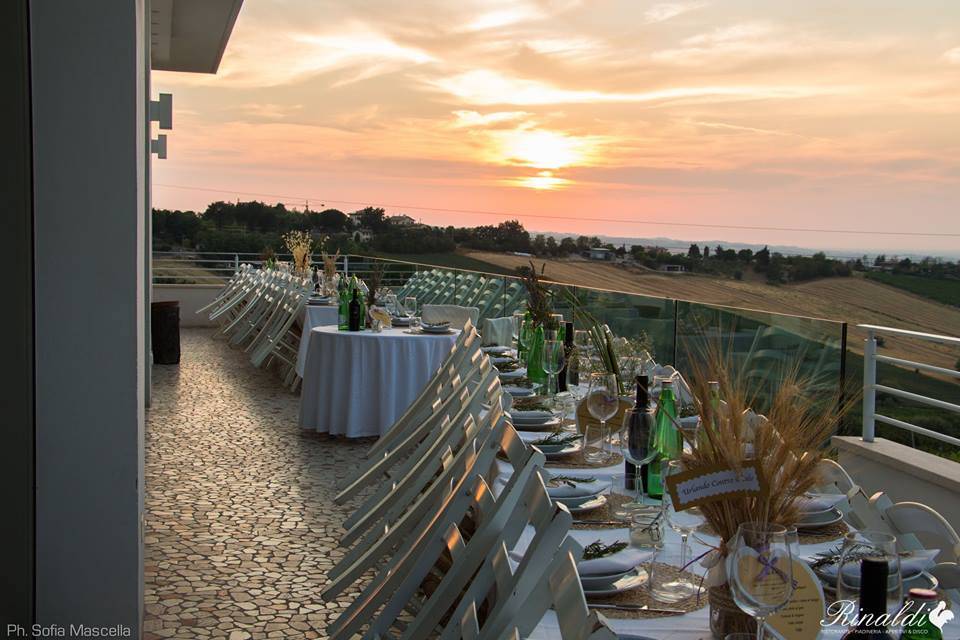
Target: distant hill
[(854, 300)]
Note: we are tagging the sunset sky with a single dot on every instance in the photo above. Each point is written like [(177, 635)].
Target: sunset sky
[(593, 114)]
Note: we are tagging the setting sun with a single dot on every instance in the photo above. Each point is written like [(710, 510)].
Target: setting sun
[(541, 149)]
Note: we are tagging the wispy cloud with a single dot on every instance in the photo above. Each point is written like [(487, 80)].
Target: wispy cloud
[(952, 56), (486, 87), (663, 11)]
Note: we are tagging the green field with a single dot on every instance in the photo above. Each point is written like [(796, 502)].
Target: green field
[(943, 290)]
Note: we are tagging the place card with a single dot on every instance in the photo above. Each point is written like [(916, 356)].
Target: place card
[(712, 483), (800, 619)]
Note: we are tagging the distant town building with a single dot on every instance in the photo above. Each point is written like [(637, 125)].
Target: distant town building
[(672, 268), (402, 220), (363, 235), (599, 253)]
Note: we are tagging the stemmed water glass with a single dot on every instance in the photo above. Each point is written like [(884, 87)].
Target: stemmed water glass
[(636, 435), (603, 402), (552, 362), (410, 306), (760, 570), (684, 522), (875, 544), (518, 330)]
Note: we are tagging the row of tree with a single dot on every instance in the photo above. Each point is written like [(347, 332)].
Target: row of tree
[(257, 227)]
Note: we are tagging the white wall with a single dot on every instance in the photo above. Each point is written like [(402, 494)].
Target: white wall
[(191, 297), (88, 61)]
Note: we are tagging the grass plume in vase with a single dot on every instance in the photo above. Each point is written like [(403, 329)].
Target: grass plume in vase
[(787, 448)]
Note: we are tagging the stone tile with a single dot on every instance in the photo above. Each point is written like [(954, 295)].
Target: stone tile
[(240, 522)]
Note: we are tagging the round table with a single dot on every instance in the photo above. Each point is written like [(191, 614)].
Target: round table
[(358, 383), (315, 315)]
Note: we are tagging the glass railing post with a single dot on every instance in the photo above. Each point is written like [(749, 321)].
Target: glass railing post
[(869, 386)]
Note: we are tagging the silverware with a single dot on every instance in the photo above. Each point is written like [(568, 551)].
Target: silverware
[(600, 522), (634, 607)]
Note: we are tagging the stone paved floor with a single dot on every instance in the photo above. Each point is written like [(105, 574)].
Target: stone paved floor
[(240, 524)]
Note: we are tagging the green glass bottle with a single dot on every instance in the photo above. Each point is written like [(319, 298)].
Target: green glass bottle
[(924, 601), (667, 441), (535, 372), (343, 312)]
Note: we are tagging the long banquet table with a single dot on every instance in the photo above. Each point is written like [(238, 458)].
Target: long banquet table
[(358, 384)]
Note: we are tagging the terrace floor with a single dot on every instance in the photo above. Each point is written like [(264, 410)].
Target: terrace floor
[(240, 521)]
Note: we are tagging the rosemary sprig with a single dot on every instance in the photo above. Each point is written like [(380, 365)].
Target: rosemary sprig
[(558, 437), (570, 481), (597, 549), (858, 553)]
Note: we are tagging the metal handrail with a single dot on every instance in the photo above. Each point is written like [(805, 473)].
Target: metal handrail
[(871, 388)]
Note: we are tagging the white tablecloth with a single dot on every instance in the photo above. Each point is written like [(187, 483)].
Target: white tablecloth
[(315, 315), (358, 383)]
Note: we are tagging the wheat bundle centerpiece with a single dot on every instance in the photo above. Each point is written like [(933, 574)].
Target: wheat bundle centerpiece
[(785, 448)]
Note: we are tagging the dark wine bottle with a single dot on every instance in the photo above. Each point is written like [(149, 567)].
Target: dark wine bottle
[(355, 312), (642, 423), (568, 348), (874, 573)]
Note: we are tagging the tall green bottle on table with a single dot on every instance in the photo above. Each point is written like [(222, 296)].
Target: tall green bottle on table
[(343, 311), (535, 372), (667, 440)]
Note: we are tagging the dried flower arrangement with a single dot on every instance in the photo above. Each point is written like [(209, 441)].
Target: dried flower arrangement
[(539, 296), (300, 246), (373, 282), (787, 449)]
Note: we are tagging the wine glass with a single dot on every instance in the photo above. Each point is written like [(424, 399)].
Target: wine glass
[(874, 544), (517, 326), (635, 438), (410, 306), (683, 522), (603, 402), (760, 570), (552, 362)]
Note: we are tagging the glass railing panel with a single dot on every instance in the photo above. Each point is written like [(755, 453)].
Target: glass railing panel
[(762, 348)]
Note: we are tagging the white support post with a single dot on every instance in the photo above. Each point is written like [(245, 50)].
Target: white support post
[(236, 263), (869, 386), (346, 266)]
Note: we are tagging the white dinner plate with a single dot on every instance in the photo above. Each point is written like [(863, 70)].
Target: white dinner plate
[(519, 392), (633, 580), (549, 425), (599, 583), (501, 359), (590, 505), (439, 331), (512, 375), (819, 520), (497, 349), (569, 449), (400, 322)]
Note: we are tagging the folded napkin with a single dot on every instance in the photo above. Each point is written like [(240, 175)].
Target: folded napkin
[(910, 566), (816, 502), (620, 561), (497, 331)]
